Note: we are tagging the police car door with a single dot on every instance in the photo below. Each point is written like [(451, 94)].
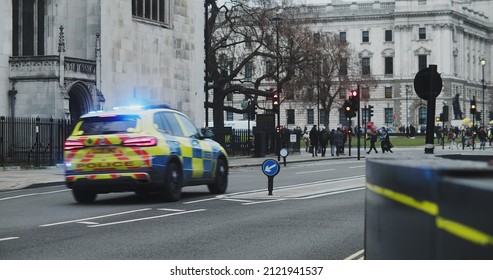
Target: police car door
[(196, 154)]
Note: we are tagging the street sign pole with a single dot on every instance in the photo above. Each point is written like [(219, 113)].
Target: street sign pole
[(270, 168), (428, 85)]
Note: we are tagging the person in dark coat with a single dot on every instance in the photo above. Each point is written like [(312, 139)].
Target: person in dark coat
[(324, 140), (372, 136), (314, 140)]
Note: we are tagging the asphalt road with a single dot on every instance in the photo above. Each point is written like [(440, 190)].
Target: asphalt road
[(316, 212)]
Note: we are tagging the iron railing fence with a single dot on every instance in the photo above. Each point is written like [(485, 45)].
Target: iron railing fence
[(35, 142), (32, 141)]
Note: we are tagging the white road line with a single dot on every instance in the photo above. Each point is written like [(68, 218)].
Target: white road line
[(359, 166), (264, 201), (87, 223), (331, 193), (147, 218), (236, 200), (96, 217), (202, 200), (171, 210), (314, 171), (8, 238), (353, 256), (301, 185), (31, 194)]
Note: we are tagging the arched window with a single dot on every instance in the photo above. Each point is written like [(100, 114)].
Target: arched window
[(422, 115)]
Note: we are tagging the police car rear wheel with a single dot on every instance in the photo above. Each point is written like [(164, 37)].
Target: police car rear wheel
[(221, 183), (171, 191), (82, 196)]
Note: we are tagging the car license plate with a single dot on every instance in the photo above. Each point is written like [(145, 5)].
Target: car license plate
[(104, 150)]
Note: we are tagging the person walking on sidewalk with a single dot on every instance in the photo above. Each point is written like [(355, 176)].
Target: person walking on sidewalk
[(324, 140), (385, 139), (338, 141), (372, 136), (314, 141), (306, 139), (333, 146), (451, 139)]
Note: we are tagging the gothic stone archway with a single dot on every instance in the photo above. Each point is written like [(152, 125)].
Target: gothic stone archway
[(80, 101)]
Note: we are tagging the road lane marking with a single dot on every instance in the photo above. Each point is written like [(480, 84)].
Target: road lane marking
[(96, 217), (87, 223), (236, 200), (354, 256), (295, 186), (358, 166), (32, 194), (264, 201), (331, 193), (8, 238), (314, 171), (147, 218), (171, 210)]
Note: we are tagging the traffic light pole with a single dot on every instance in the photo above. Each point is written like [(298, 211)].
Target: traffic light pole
[(358, 123)]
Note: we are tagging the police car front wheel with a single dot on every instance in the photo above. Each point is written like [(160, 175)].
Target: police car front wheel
[(221, 181)]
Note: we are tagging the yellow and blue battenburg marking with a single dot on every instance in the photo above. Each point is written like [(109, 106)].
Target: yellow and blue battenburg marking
[(431, 208)]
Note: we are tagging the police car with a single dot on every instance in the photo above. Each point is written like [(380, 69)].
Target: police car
[(143, 150)]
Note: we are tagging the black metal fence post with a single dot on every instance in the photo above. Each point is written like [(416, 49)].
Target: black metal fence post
[(52, 156), (38, 144)]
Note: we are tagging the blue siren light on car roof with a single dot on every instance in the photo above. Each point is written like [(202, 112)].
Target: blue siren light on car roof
[(138, 107)]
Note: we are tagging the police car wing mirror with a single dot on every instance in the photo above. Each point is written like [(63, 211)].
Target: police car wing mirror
[(207, 133)]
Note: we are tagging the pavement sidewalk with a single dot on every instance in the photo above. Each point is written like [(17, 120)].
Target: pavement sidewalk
[(14, 178)]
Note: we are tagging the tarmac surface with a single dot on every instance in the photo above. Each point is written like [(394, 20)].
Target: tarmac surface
[(13, 178)]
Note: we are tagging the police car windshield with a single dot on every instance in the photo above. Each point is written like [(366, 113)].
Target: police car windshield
[(108, 125)]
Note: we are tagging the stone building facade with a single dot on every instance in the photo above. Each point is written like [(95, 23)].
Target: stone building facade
[(65, 58), (397, 38)]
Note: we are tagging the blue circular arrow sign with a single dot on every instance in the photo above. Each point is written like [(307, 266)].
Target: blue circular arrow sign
[(270, 167)]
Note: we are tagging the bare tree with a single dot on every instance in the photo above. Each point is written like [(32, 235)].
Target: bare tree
[(242, 33), (238, 36), (331, 67)]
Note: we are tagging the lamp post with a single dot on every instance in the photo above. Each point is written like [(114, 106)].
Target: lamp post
[(483, 62), (407, 111), (278, 18)]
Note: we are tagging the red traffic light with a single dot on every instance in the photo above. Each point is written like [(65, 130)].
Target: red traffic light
[(275, 102), (275, 99)]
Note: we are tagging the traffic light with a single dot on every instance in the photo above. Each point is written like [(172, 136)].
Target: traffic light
[(275, 102), (438, 119), (354, 99), (444, 113), (348, 109), (370, 112), (473, 107)]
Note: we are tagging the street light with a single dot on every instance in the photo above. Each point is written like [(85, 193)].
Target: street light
[(483, 62), (407, 111), (278, 18)]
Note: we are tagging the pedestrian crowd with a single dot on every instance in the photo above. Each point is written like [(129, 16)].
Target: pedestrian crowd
[(317, 141), (465, 137)]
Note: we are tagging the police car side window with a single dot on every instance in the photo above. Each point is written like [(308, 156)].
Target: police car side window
[(173, 124), (161, 123), (189, 128)]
